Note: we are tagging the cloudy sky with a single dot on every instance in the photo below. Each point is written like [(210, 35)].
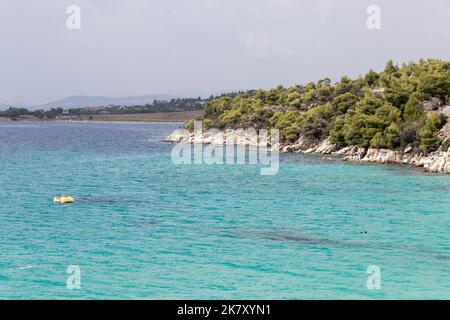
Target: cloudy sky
[(199, 47)]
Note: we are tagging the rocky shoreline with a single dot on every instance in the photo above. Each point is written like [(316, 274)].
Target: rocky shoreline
[(435, 162)]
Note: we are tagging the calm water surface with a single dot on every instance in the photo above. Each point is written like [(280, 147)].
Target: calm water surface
[(144, 228)]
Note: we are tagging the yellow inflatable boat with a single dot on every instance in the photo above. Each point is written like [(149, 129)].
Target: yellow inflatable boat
[(63, 199)]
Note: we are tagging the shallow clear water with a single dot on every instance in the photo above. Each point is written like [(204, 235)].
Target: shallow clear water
[(145, 228)]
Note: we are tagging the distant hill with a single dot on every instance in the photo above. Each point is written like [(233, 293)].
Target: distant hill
[(94, 101)]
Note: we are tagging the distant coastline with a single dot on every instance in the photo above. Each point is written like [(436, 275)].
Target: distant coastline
[(181, 116)]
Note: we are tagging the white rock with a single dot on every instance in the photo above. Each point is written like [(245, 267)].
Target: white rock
[(179, 135), (326, 147)]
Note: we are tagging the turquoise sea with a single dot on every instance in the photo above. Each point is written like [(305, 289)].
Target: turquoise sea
[(144, 228)]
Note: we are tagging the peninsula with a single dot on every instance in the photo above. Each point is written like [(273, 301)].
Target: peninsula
[(399, 115)]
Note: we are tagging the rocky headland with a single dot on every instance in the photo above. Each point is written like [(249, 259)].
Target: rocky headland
[(435, 162)]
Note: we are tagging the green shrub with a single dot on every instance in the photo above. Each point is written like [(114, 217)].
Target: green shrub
[(429, 136)]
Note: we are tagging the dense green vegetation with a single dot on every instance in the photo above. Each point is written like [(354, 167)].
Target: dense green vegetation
[(15, 113), (174, 105), (380, 110)]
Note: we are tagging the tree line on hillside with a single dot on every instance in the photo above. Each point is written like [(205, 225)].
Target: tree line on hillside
[(380, 110), (174, 105)]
